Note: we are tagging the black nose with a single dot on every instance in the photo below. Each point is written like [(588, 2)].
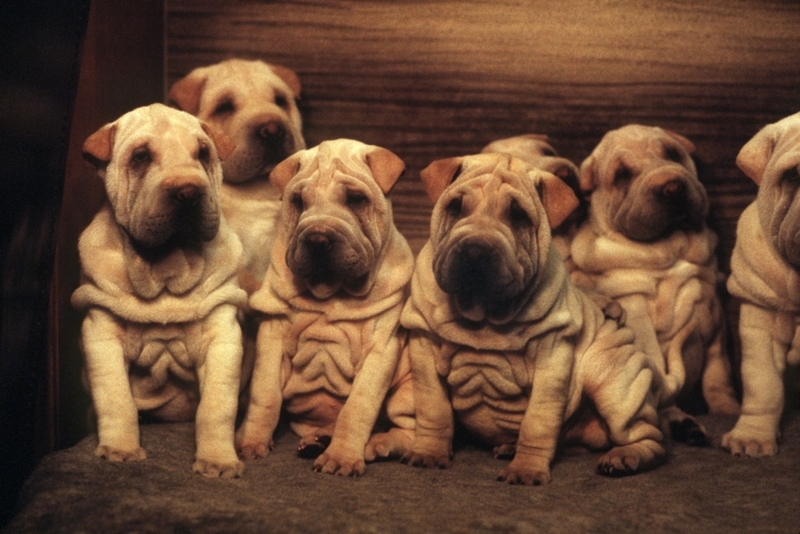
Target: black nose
[(185, 194), (317, 242), (272, 131), (674, 189)]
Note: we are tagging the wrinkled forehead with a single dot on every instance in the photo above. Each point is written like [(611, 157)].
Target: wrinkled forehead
[(642, 143), (494, 179), (254, 80), (786, 153), (330, 166), (157, 128)]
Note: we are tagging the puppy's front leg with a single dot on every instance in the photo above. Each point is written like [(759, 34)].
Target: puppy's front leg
[(541, 425), (763, 362), (434, 413), (254, 437), (346, 454), (218, 375), (107, 372)]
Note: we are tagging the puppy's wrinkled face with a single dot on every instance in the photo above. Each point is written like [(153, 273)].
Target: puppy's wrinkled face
[(772, 160), (162, 174), (644, 183), (253, 105), (336, 216), (490, 237)]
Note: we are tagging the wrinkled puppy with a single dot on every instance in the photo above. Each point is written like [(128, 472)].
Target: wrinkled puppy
[(646, 245), (536, 150), (253, 103), (329, 346), (159, 284), (764, 275), (497, 326)]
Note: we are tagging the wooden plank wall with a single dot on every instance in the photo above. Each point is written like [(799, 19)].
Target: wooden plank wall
[(431, 79)]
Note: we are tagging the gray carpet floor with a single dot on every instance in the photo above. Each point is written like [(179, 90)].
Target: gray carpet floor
[(698, 490)]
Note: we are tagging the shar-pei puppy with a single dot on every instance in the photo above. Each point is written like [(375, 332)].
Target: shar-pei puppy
[(254, 104), (764, 275), (646, 244), (537, 150), (159, 286), (502, 339), (329, 348)]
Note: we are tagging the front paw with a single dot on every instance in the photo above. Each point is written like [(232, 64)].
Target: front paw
[(632, 458), (429, 452), (120, 454), (535, 473), (233, 468), (392, 444), (741, 444), (251, 445), (340, 461)]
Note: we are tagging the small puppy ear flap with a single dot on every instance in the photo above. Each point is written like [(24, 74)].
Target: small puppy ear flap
[(185, 93), (223, 143), (587, 179), (437, 176), (755, 154), (289, 76), (98, 146), (558, 199), (688, 145), (284, 171), (386, 168)]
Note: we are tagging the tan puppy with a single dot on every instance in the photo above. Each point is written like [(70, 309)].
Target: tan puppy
[(497, 326), (536, 150), (329, 347), (159, 286), (764, 274), (253, 103), (646, 245)]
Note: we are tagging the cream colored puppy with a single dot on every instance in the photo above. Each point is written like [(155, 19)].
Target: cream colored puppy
[(159, 286), (537, 150), (646, 244), (329, 346), (764, 274), (253, 103), (498, 329)]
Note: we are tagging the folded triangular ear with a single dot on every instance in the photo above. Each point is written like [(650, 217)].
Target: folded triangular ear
[(587, 178), (223, 143), (386, 168), (289, 76), (98, 147), (185, 93), (284, 171), (437, 176), (755, 154), (558, 199), (688, 145)]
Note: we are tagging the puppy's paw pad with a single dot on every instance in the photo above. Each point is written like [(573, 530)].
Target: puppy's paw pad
[(312, 446), (114, 454), (216, 469)]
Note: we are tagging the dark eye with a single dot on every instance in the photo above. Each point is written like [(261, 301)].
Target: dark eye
[(356, 199), (297, 202), (792, 176), (673, 154), (204, 153), (518, 216), (453, 208), (141, 157), (281, 101), (623, 174), (548, 152), (225, 107)]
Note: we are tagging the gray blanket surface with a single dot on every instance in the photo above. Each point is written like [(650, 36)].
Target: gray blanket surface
[(698, 490)]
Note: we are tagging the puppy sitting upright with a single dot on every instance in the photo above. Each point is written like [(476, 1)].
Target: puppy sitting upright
[(646, 244), (497, 326), (764, 274), (536, 150), (253, 103), (329, 347), (159, 285)]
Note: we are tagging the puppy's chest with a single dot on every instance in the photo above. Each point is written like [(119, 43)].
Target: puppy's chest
[(178, 347)]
